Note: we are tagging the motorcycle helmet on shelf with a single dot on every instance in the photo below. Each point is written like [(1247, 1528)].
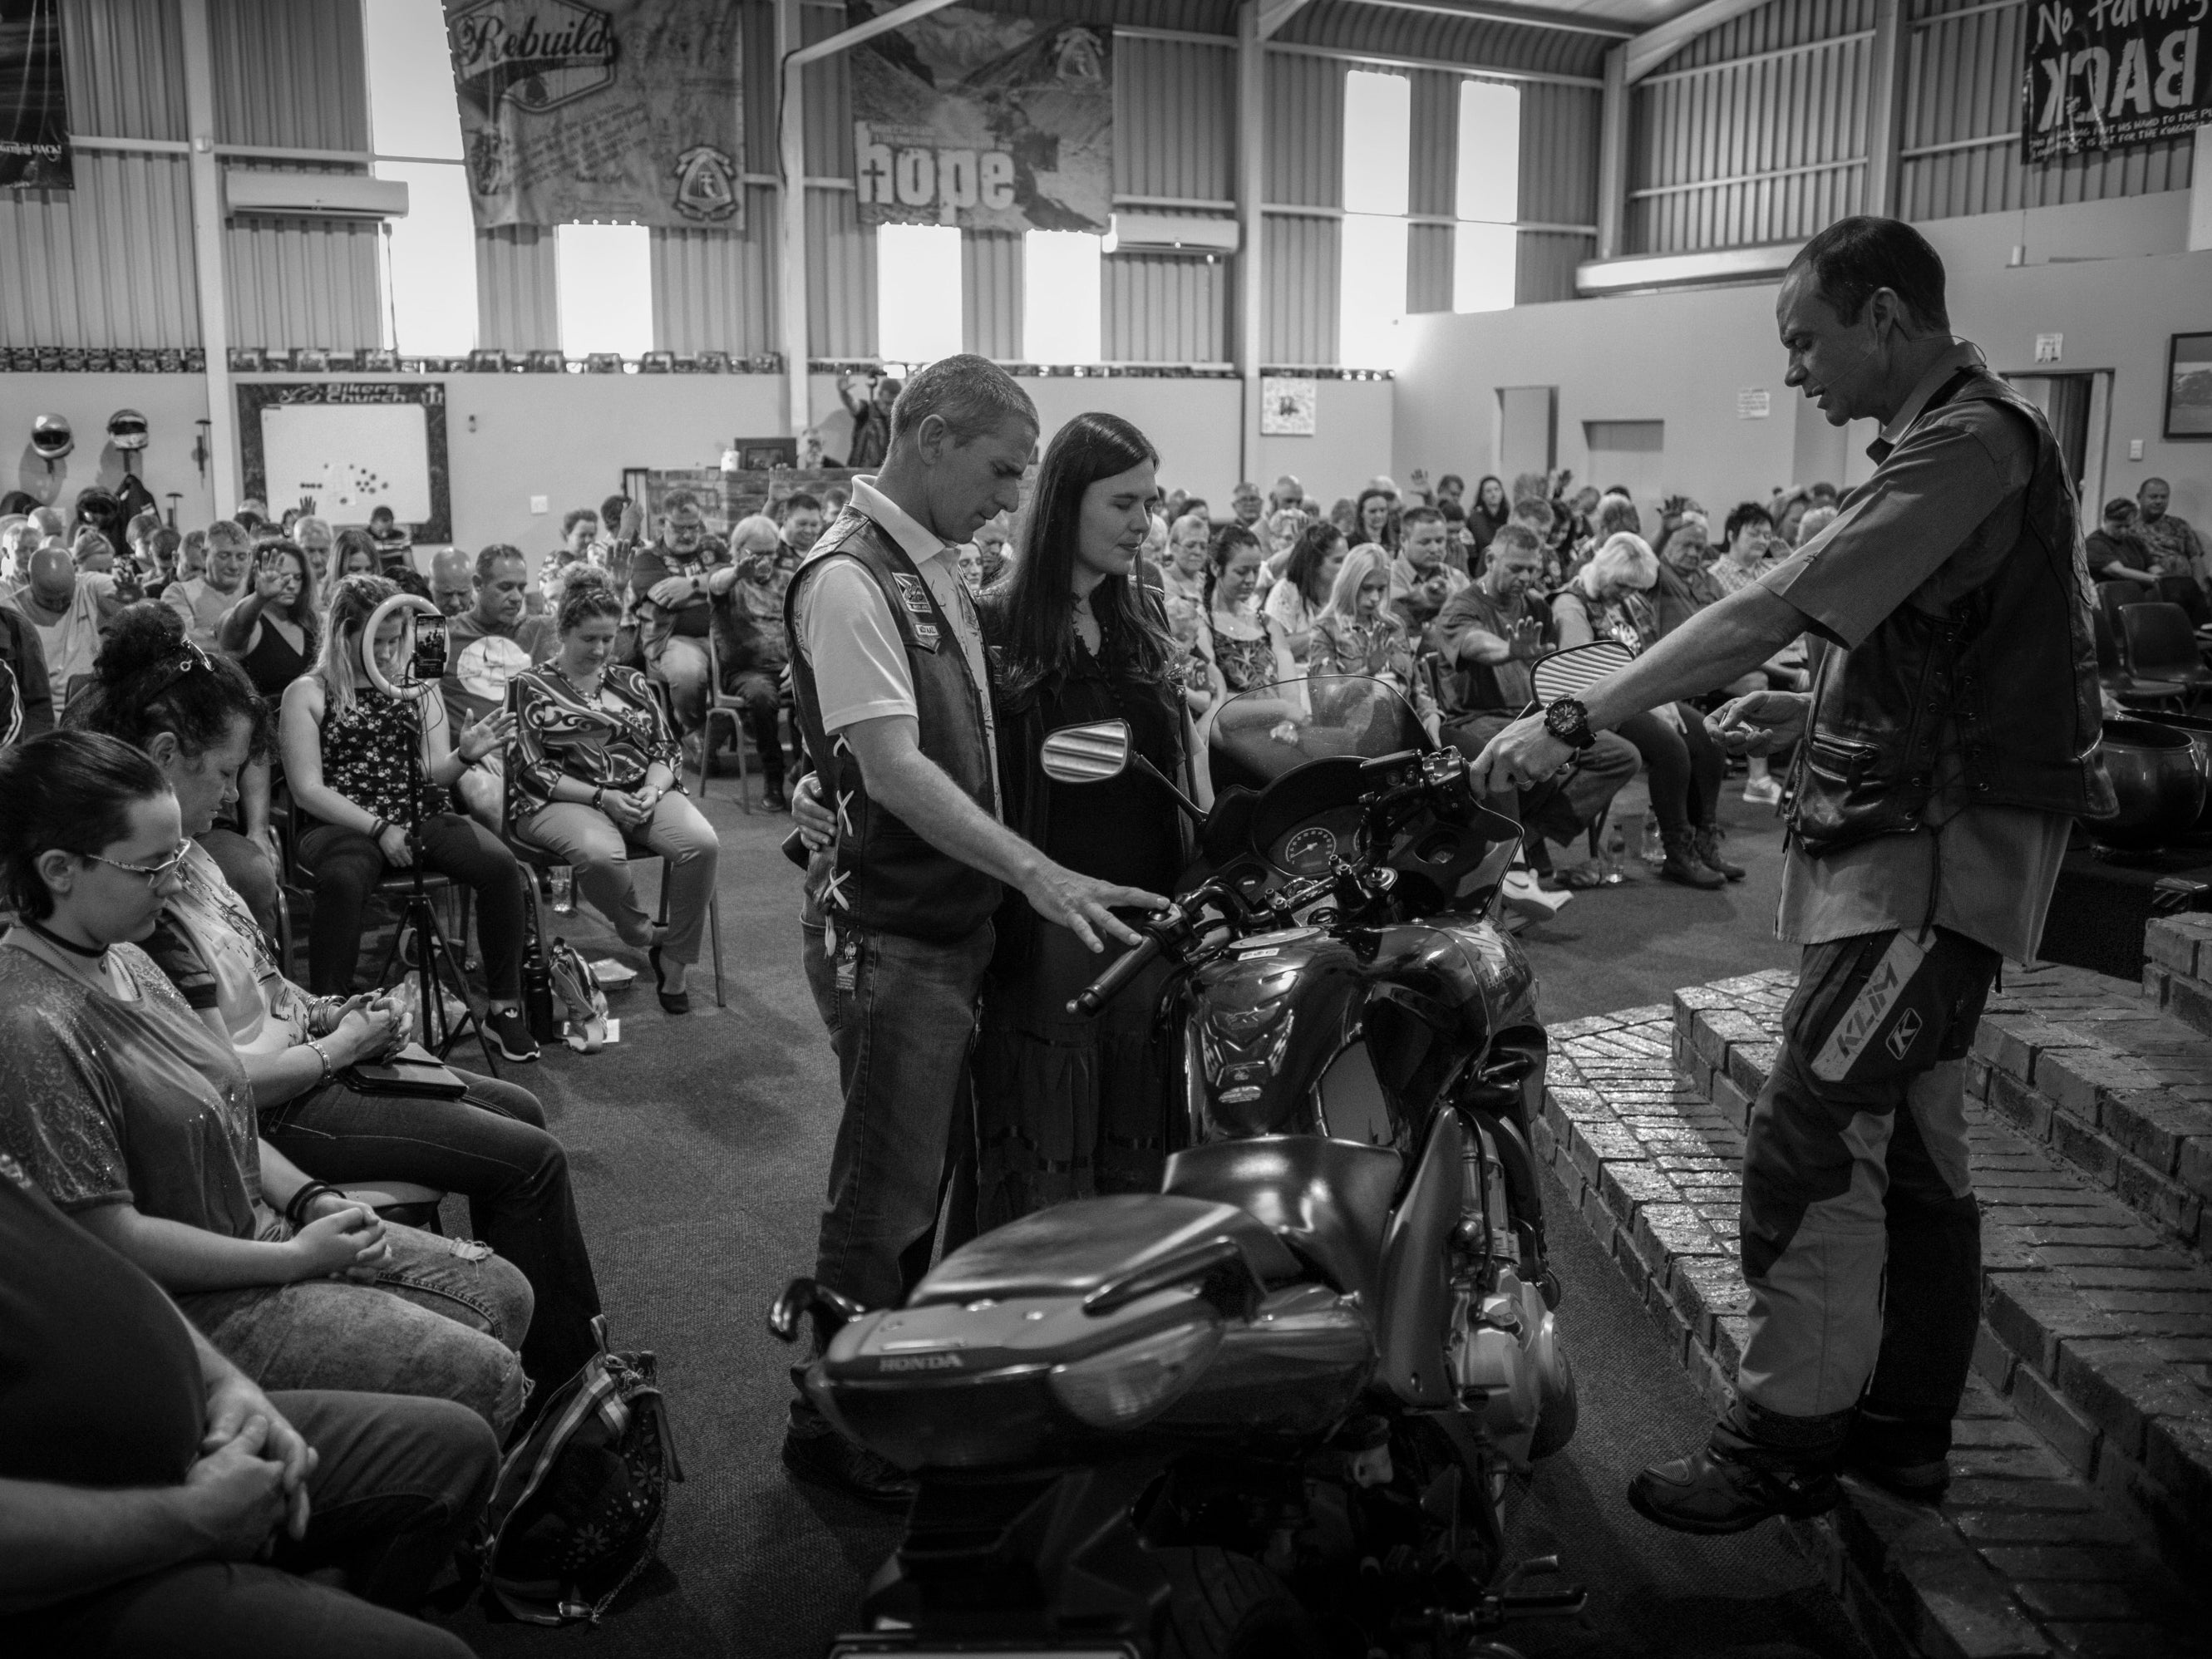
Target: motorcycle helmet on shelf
[(126, 429), (52, 437)]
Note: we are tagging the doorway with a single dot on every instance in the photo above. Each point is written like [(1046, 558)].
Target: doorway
[(2079, 407)]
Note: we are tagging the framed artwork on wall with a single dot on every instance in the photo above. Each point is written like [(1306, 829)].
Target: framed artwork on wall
[(2188, 386), (1287, 405)]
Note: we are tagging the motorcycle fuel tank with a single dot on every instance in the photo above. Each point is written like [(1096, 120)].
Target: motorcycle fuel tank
[(1271, 1028)]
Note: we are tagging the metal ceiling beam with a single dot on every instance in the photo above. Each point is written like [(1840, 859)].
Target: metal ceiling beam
[(1274, 13), (1534, 17), (1647, 51)]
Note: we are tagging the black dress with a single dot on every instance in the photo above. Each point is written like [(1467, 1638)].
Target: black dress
[(1067, 1106)]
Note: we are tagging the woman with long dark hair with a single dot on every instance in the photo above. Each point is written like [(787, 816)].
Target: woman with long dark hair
[(1297, 601), (1375, 515), (1487, 514), (275, 631), (1064, 1107)]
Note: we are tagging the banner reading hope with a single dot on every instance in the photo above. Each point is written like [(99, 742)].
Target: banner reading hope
[(989, 123), (2103, 73)]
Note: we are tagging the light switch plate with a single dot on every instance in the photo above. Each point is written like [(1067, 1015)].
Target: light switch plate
[(2135, 449), (541, 503)]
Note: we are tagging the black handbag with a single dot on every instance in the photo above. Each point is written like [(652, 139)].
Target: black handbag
[(413, 1070)]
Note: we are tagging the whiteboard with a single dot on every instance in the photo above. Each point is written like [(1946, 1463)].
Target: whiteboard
[(350, 458)]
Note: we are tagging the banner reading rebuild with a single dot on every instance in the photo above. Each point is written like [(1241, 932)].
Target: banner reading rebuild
[(989, 123), (34, 141), (627, 110), (2103, 73)]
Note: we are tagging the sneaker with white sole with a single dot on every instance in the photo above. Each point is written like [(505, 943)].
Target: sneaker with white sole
[(1522, 891), (510, 1035), (1763, 791)]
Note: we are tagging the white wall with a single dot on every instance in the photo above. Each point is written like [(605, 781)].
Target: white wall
[(172, 403), (2108, 276)]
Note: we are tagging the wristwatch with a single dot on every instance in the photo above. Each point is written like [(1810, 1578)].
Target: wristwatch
[(1569, 721)]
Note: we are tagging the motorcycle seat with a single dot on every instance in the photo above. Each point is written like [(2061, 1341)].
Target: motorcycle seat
[(1072, 1248), (1328, 1200)]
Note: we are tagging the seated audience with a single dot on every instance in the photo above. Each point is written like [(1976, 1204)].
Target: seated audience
[(1423, 537), (276, 629), (314, 538), (1488, 635), (355, 554), (347, 750), (1745, 556), (1376, 516), (1298, 599), (800, 525), (2116, 553), (488, 644), (752, 648), (138, 1121), (1241, 647), (1787, 510), (26, 698), (668, 585), (200, 726), (580, 540), (594, 770), (453, 581), (1357, 634), (1682, 764), (993, 537), (68, 609), (1182, 579), (1815, 519), (1488, 515), (202, 599), (163, 551), (1245, 507), (2178, 556), (166, 1505)]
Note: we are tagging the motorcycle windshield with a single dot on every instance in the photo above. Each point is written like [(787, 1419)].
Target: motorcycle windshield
[(1272, 729)]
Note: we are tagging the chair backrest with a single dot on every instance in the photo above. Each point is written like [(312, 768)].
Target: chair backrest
[(2112, 597), (2160, 640)]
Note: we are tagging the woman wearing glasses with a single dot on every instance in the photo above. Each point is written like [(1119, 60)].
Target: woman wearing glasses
[(200, 722), (138, 1121)]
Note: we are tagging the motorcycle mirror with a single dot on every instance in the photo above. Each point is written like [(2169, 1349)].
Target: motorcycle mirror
[(1571, 672), (1087, 754)]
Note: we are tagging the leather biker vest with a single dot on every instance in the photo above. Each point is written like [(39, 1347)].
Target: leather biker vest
[(881, 876), (1996, 700)]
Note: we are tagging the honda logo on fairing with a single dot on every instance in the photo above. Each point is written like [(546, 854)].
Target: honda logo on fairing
[(919, 1362)]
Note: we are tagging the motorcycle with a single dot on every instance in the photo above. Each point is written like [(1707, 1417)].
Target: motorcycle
[(1272, 1408)]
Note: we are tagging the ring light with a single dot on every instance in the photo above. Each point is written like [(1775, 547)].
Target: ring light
[(411, 686)]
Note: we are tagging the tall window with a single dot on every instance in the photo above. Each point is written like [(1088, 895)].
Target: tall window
[(428, 258), (917, 293), (604, 275), (1485, 248), (1378, 115), (1060, 296)]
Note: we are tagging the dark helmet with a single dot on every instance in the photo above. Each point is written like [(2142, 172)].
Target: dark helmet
[(52, 437), (126, 429)]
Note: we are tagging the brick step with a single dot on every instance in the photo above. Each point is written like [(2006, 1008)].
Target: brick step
[(2096, 1328), (2032, 1553), (2092, 1068), (2178, 969)]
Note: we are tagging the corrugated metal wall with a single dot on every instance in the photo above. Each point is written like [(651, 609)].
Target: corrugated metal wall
[(518, 291), (108, 263), (715, 290), (1299, 309), (1754, 132), (1167, 310), (1962, 132), (1559, 186)]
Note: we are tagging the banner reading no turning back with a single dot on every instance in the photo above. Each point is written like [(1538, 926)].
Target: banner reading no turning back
[(2104, 73)]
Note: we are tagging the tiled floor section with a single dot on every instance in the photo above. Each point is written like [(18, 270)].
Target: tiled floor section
[(2031, 1554)]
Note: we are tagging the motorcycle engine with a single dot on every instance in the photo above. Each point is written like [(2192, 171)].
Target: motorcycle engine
[(1504, 1361)]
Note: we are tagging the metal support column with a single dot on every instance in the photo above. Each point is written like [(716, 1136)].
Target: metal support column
[(206, 180), (1887, 52), (791, 217), (1251, 117), (1612, 155)]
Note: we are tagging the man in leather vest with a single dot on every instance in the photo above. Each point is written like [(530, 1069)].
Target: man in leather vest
[(891, 691), (1946, 745)]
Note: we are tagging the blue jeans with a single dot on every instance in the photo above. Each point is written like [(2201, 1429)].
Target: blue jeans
[(491, 1146), (399, 1483), (443, 1321), (905, 1021)]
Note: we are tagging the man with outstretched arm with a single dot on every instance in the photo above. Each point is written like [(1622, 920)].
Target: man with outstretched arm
[(892, 691), (1946, 745)]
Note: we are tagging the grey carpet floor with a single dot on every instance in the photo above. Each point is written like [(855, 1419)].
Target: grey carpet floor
[(700, 1146)]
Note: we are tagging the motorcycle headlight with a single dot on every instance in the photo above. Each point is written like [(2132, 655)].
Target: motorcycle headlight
[(1122, 1387)]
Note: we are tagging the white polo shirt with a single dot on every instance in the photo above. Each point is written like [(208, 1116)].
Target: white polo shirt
[(846, 631)]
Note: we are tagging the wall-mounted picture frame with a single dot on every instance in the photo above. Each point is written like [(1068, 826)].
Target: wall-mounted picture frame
[(2188, 386), (1288, 405)]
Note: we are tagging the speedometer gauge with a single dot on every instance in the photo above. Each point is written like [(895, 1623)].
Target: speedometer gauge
[(1309, 851)]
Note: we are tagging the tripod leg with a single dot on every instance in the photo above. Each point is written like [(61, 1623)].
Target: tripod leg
[(437, 960)]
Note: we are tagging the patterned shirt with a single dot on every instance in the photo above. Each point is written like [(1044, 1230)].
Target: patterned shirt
[(608, 741)]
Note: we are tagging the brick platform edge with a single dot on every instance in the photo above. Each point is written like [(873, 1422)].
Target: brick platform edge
[(2035, 1552), (2178, 969)]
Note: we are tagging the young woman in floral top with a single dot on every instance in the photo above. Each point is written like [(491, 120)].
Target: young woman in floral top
[(595, 770)]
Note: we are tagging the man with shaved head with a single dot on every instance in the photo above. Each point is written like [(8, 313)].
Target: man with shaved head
[(453, 581), (68, 609)]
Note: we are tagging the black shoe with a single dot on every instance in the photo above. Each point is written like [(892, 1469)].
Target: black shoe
[(1707, 841), (672, 1002), (1684, 865), (773, 798), (828, 1459), (1708, 1493), (510, 1034)]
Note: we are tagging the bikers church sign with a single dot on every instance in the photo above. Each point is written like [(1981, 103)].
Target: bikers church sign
[(2104, 73)]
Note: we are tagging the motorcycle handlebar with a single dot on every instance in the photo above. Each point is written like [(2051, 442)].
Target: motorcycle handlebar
[(1124, 968)]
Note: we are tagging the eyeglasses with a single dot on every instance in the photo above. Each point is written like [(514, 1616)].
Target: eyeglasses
[(155, 874)]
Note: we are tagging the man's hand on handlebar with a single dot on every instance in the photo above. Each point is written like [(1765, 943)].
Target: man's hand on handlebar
[(1079, 903)]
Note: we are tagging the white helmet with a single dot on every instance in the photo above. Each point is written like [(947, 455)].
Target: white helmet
[(52, 437), (126, 429)]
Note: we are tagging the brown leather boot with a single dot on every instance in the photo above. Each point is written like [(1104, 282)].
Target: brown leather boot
[(1706, 839), (1684, 865)]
